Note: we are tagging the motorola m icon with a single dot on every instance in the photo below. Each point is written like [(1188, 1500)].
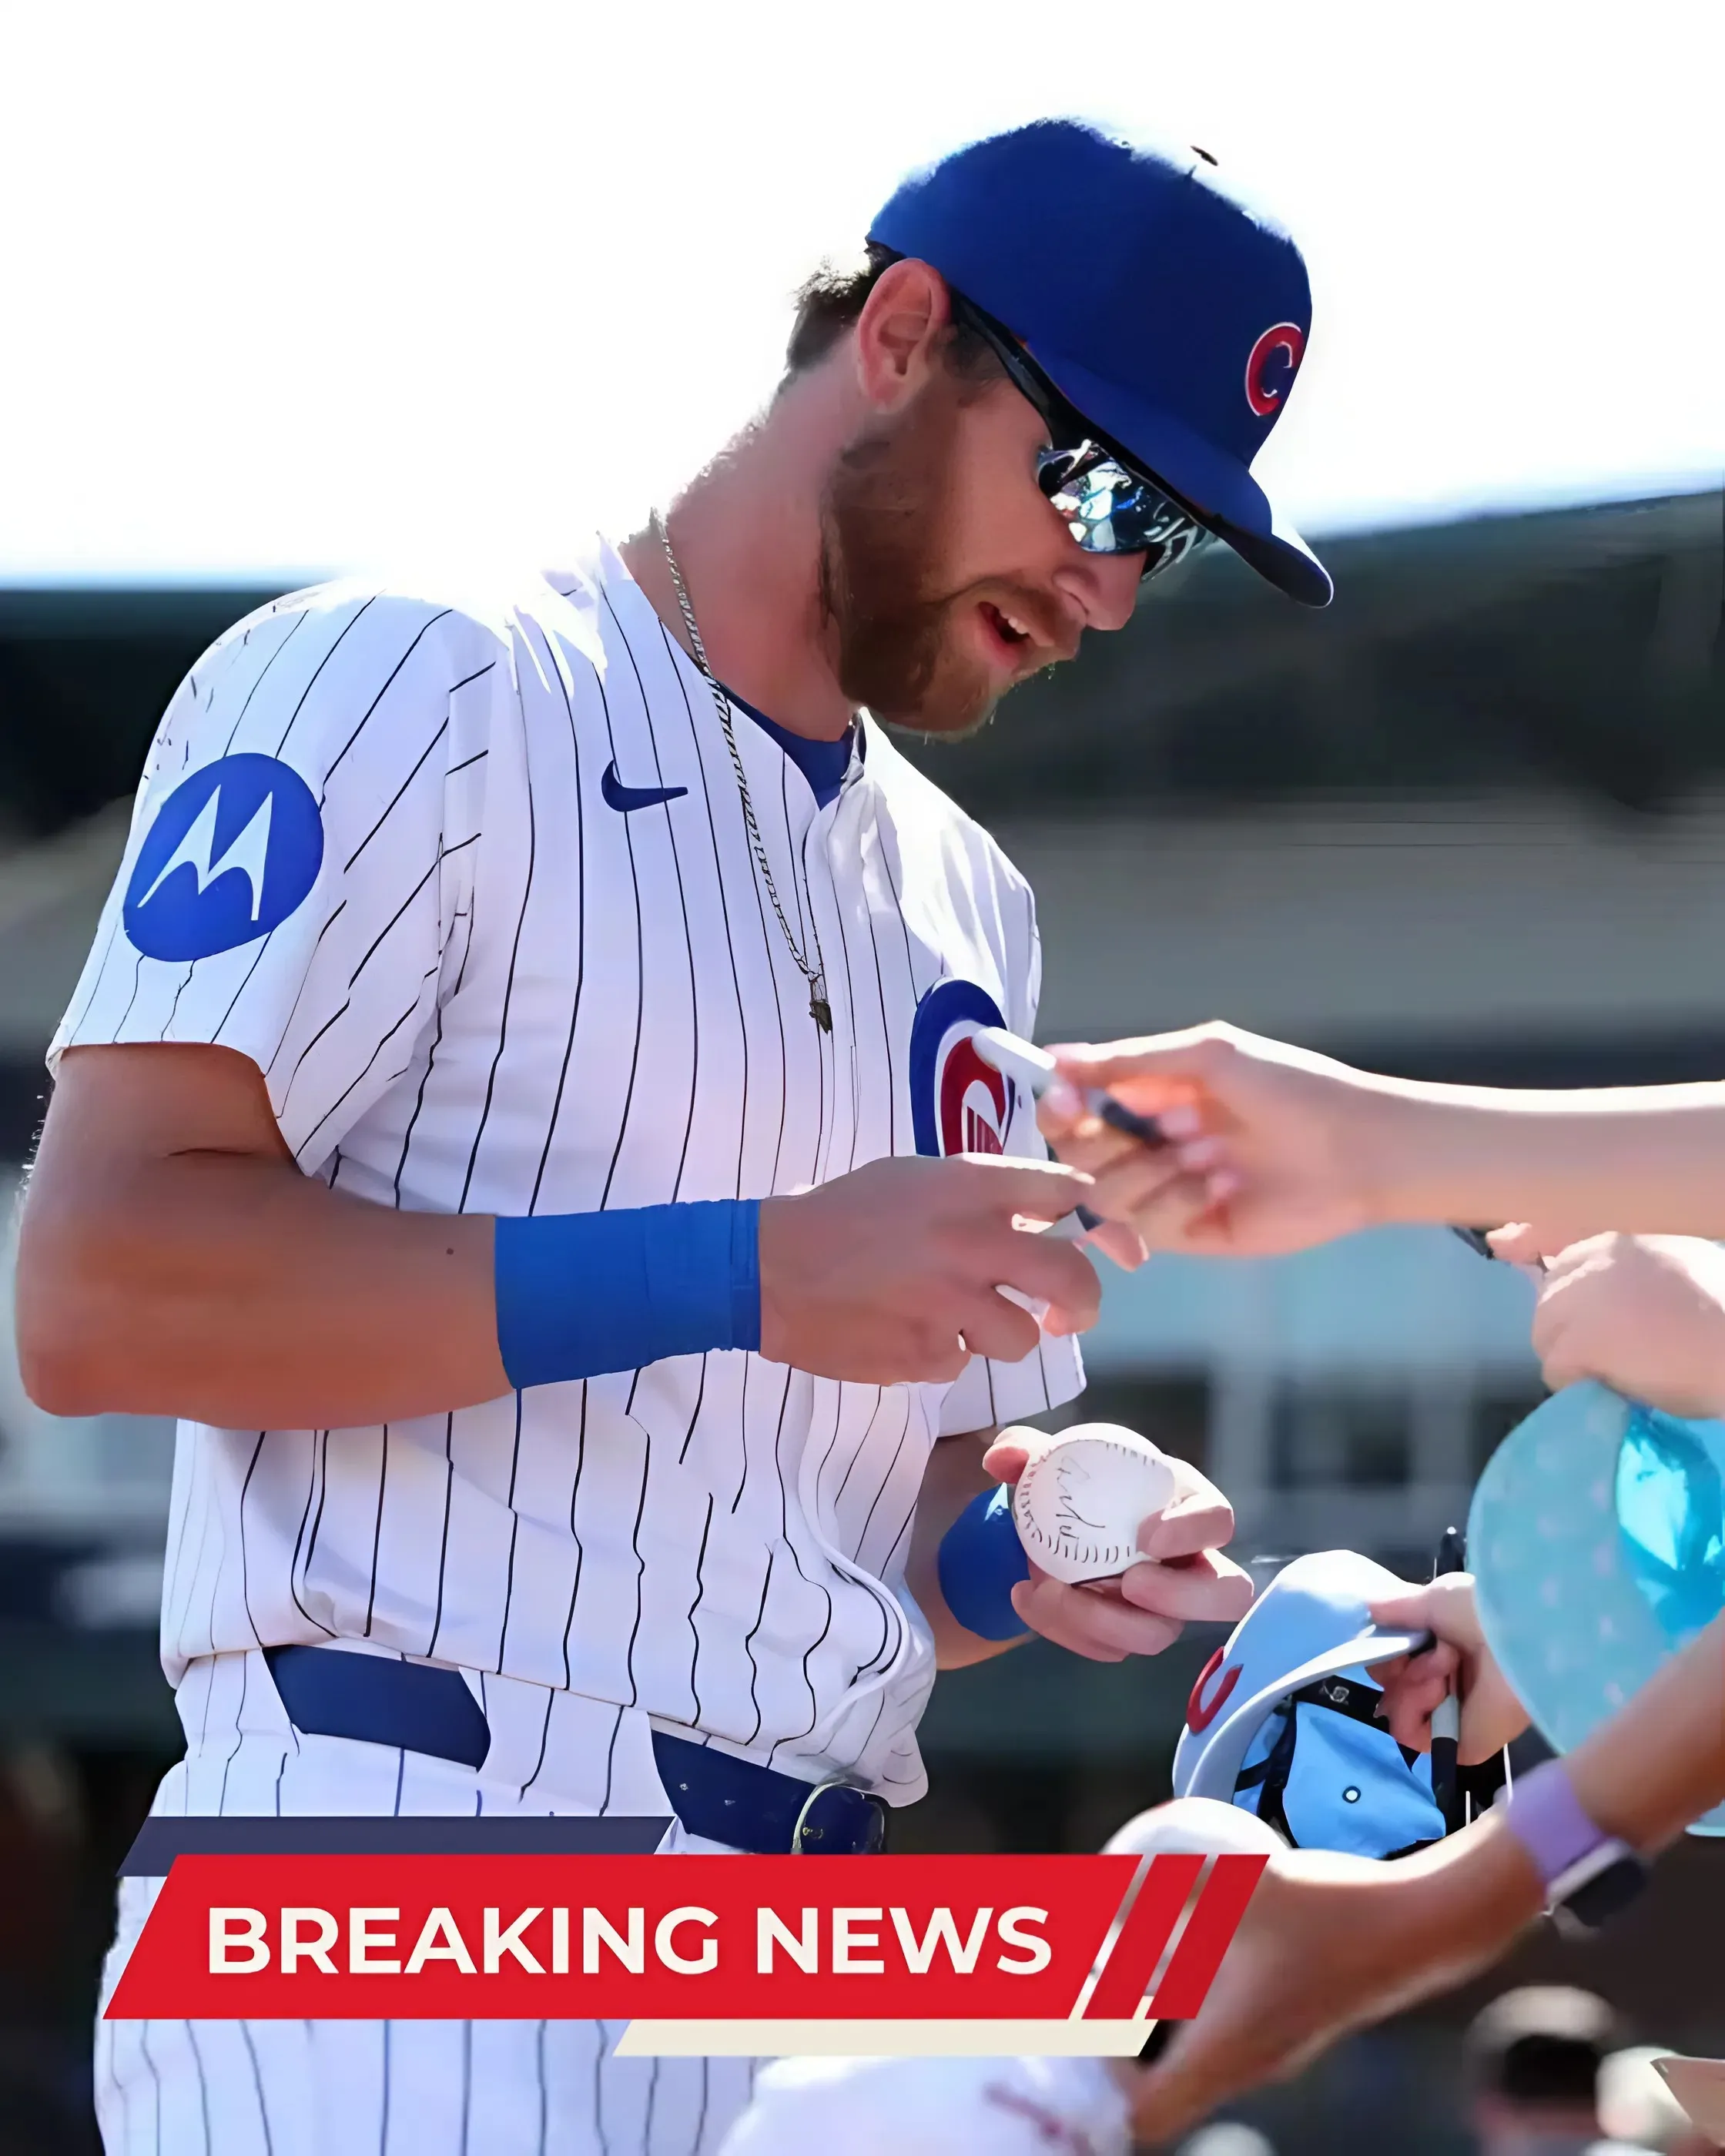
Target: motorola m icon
[(247, 854), (233, 850)]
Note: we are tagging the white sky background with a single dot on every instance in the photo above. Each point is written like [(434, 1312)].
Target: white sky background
[(289, 289)]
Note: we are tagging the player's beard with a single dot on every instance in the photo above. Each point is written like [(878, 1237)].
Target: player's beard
[(884, 519)]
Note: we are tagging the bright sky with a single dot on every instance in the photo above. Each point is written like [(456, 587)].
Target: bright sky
[(297, 288)]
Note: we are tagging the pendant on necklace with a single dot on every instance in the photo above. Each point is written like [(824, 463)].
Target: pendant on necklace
[(820, 1010)]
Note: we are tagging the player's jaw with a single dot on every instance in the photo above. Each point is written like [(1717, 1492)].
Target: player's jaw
[(940, 666), (919, 648)]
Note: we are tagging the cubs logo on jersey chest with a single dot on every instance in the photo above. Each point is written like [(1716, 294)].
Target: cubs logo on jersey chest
[(959, 1103)]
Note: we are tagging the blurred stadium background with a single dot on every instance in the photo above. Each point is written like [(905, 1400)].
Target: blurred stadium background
[(1468, 823)]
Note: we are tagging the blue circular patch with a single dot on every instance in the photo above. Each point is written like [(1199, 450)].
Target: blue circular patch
[(233, 852)]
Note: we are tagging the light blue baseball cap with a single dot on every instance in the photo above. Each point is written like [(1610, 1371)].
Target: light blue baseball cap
[(1596, 1543), (1287, 1706)]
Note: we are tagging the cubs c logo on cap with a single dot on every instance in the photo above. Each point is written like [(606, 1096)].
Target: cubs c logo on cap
[(959, 1103), (1270, 372)]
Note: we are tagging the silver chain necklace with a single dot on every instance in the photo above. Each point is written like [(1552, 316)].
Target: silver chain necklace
[(820, 1009)]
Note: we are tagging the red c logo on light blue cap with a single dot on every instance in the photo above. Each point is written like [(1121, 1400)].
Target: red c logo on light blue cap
[(1288, 339), (1201, 1712)]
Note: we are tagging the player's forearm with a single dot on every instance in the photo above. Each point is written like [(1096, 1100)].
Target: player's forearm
[(1650, 1159), (234, 1289)]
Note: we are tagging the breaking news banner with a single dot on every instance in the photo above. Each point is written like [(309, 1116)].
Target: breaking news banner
[(577, 1919)]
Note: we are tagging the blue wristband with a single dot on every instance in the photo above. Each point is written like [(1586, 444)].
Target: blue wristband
[(581, 1293), (979, 1562)]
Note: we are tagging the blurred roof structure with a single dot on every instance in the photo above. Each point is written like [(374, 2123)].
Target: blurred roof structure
[(1578, 648)]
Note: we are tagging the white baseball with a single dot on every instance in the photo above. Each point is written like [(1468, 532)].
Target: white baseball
[(1084, 1495), (1195, 1826)]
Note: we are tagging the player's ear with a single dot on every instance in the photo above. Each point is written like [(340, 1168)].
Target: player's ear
[(898, 333)]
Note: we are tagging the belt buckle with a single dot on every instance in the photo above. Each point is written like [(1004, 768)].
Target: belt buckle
[(803, 1832)]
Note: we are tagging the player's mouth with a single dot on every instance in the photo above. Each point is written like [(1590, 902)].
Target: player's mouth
[(1013, 641)]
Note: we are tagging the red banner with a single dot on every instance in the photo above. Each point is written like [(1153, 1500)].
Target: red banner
[(708, 1938)]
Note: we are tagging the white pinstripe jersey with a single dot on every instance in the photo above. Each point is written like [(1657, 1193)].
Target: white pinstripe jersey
[(377, 849)]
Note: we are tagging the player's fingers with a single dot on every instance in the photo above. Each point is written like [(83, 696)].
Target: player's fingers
[(1047, 1268), (1209, 1589), (1043, 1614), (1007, 1458), (1037, 1190), (1199, 1518), (1096, 1621), (998, 1329)]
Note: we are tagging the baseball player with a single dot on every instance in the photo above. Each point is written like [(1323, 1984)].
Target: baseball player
[(520, 1114)]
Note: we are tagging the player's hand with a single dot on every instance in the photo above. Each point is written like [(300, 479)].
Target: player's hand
[(1184, 1578), (1644, 1314), (893, 1273), (1272, 1147), (1330, 1944), (1414, 1685)]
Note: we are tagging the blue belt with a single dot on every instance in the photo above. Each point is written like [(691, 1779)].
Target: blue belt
[(375, 1700)]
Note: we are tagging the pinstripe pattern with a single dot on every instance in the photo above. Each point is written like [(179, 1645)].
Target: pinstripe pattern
[(503, 995), (434, 2088)]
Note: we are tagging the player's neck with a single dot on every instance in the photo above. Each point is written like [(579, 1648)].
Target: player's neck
[(747, 532)]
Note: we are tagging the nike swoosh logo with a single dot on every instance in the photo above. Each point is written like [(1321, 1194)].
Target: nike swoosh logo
[(624, 799)]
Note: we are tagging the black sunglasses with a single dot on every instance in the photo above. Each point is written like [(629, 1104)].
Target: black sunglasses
[(1108, 504)]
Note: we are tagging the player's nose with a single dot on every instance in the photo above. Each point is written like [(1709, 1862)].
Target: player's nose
[(1102, 588)]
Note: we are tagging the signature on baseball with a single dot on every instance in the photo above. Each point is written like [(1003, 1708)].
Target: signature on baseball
[(1083, 1495), (1070, 1475)]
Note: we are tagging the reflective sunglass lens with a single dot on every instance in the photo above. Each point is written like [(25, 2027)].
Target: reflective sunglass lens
[(1111, 510)]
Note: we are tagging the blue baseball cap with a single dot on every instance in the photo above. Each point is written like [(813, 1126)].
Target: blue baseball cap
[(1597, 1540), (1169, 312), (1288, 1705)]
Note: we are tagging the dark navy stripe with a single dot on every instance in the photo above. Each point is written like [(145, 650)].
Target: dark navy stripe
[(161, 1840)]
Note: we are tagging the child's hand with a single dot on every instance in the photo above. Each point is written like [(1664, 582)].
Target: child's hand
[(1414, 1685), (1644, 1314)]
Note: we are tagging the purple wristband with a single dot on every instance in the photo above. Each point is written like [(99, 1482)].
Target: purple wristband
[(1545, 1815)]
